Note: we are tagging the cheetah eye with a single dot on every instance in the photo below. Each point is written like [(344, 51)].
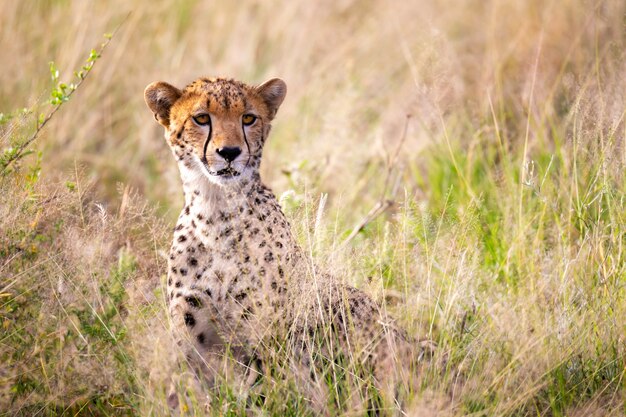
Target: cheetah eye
[(248, 119), (202, 119)]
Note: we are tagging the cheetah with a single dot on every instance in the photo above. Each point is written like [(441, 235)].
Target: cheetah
[(235, 269)]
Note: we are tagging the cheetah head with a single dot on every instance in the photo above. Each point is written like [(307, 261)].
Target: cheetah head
[(216, 127)]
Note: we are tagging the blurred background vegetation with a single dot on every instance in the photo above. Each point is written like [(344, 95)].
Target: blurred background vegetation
[(462, 161)]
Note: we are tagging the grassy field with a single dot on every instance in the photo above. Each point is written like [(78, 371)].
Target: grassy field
[(461, 161)]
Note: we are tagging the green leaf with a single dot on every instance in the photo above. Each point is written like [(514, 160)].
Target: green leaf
[(93, 56), (54, 72)]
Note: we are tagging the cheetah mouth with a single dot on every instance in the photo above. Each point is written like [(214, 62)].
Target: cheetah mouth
[(225, 173)]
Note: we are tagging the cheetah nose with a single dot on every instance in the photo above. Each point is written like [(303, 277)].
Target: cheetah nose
[(229, 153)]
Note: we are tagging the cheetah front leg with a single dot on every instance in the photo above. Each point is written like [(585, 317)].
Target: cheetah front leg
[(201, 346)]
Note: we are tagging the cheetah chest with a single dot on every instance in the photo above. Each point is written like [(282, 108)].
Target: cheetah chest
[(228, 268)]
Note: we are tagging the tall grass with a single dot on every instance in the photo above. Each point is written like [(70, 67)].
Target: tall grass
[(505, 240)]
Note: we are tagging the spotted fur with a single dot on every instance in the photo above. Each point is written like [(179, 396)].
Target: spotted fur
[(235, 268)]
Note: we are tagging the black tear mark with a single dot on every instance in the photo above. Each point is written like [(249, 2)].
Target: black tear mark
[(206, 142)]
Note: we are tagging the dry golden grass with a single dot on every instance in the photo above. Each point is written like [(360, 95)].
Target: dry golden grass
[(506, 241)]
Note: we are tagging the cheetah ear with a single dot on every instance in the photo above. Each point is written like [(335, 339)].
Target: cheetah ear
[(273, 93), (160, 96)]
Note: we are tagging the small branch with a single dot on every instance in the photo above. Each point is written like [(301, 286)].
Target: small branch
[(379, 208), (41, 124)]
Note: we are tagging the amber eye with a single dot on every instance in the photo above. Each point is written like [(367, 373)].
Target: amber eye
[(202, 119), (248, 119)]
